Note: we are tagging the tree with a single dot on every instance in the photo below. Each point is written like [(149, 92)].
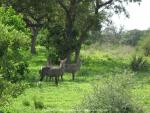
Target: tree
[(36, 14), (132, 37), (77, 17), (82, 16), (113, 34)]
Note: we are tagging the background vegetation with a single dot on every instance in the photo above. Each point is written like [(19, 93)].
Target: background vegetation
[(114, 75)]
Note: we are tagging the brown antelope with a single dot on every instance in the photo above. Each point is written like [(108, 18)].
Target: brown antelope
[(55, 72), (73, 68)]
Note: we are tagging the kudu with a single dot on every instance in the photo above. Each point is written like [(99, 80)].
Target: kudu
[(73, 68), (51, 71)]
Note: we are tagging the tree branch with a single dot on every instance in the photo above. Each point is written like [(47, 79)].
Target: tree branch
[(103, 4), (30, 24)]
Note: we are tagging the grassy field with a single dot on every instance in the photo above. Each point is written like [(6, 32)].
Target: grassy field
[(97, 64)]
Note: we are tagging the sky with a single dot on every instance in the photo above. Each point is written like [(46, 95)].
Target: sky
[(139, 16)]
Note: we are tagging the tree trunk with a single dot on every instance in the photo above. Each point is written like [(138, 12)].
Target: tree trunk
[(68, 56), (33, 40), (69, 36), (77, 53)]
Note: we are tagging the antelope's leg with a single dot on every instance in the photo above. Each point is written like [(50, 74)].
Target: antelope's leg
[(41, 77), (73, 76), (56, 80), (50, 78), (46, 78), (62, 77)]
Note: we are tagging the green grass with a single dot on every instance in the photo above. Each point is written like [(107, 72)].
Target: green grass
[(96, 66)]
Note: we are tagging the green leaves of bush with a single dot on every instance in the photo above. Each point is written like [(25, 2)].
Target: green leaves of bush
[(8, 90), (14, 37), (144, 43), (110, 96), (10, 18), (11, 42), (138, 63)]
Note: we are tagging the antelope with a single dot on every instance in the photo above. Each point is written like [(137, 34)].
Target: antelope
[(73, 68), (55, 72)]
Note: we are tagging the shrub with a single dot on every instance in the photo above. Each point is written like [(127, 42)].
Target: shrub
[(26, 103), (132, 37), (11, 44), (138, 63), (38, 104), (14, 38), (144, 43), (10, 17), (112, 96), (15, 72), (8, 90)]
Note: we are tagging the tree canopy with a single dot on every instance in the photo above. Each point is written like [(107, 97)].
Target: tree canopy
[(68, 21)]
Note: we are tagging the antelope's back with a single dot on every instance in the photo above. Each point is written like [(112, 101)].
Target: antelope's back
[(72, 68), (56, 72), (45, 71)]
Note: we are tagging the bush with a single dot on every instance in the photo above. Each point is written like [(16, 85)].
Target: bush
[(144, 43), (14, 38), (38, 104), (10, 17), (112, 96), (15, 72), (12, 42), (26, 103), (8, 90), (138, 63), (132, 37)]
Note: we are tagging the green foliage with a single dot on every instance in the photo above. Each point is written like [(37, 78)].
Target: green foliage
[(8, 90), (14, 38), (144, 43), (55, 42), (55, 36), (138, 63), (26, 103), (21, 68), (11, 43), (38, 104), (42, 36), (16, 71), (53, 55), (11, 38), (132, 37), (112, 34), (10, 18), (112, 96), (97, 66)]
